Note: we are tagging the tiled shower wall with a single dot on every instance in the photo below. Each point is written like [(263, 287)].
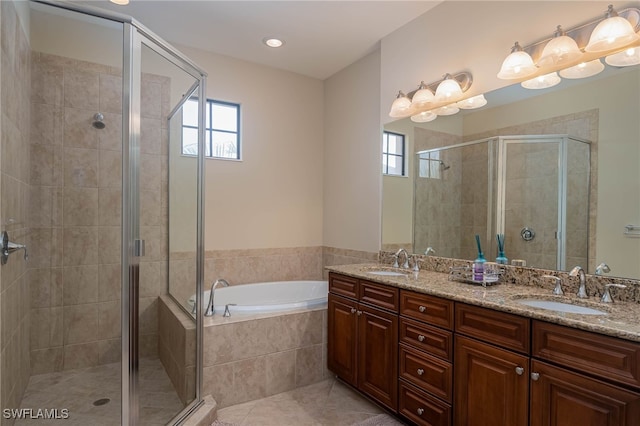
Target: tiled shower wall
[(15, 69), (76, 177)]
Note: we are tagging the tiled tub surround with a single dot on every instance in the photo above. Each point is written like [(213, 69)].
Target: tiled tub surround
[(74, 268), (15, 130), (246, 357), (258, 265), (620, 321)]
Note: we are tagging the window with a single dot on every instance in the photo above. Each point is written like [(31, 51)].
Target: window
[(393, 153), (431, 165), (222, 129)]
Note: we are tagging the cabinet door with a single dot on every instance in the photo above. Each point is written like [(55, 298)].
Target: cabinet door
[(342, 338), (563, 398), (491, 385), (378, 355)]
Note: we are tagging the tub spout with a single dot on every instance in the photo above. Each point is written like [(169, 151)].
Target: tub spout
[(210, 307)]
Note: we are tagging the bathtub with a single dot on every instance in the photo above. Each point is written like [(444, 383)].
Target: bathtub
[(273, 296)]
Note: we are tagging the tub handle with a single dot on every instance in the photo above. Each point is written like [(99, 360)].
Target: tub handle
[(226, 309)]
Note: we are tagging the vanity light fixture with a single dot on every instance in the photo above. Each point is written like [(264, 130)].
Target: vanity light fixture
[(542, 81), (473, 102), (401, 106), (611, 33), (626, 58), (518, 64), (448, 90), (120, 2), (583, 69), (561, 49), (423, 106), (423, 96), (424, 117)]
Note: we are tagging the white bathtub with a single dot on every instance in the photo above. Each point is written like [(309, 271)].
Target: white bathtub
[(267, 297)]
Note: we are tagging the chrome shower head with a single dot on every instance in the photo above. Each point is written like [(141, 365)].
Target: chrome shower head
[(97, 121)]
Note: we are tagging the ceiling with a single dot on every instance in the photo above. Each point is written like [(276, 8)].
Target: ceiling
[(321, 37)]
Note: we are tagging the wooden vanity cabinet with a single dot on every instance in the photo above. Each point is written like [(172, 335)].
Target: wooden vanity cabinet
[(362, 346), (426, 359), (491, 374)]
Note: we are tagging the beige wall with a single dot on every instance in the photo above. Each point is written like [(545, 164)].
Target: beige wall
[(352, 159), (273, 197)]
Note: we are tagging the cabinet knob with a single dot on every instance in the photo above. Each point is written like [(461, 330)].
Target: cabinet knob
[(421, 338), (359, 312), (353, 310), (420, 411), (519, 371), (420, 371), (535, 376), (422, 308)]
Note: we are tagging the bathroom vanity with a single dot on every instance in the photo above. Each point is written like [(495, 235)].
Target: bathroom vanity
[(440, 352)]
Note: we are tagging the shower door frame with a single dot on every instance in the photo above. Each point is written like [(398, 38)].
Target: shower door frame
[(132, 247)]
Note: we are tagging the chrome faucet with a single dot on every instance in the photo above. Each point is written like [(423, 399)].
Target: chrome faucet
[(582, 290), (210, 307), (429, 251), (602, 268), (405, 265)]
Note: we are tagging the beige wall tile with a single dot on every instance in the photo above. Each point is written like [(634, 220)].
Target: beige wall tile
[(109, 282), (81, 355), (80, 206), (47, 82), (80, 167), (80, 246), (110, 169), (109, 244), (80, 325), (153, 279), (151, 98), (110, 90), (47, 124), (40, 287), (151, 212), (81, 89), (110, 138), (309, 366), (150, 136), (108, 320), (78, 129), (281, 372), (148, 315), (109, 351), (46, 360), (109, 206), (80, 285)]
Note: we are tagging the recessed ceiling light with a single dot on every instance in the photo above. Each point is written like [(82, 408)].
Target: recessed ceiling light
[(120, 2), (272, 42)]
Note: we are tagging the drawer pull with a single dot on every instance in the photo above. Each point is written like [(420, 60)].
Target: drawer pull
[(420, 371), (421, 338), (535, 376), (519, 371), (420, 411), (353, 310), (422, 308)]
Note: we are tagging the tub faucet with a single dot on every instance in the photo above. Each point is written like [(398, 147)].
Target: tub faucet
[(582, 290), (405, 265), (210, 307)]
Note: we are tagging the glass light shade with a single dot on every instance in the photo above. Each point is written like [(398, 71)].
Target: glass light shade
[(120, 2), (401, 106), (612, 33), (448, 91), (542, 81), (422, 97), (472, 103), (424, 117), (559, 50), (583, 70), (625, 58), (446, 110), (517, 65)]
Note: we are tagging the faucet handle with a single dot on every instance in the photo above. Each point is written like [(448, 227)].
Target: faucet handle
[(558, 288), (606, 296), (226, 309), (416, 262)]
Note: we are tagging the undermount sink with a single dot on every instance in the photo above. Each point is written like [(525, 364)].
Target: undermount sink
[(387, 273), (561, 307)]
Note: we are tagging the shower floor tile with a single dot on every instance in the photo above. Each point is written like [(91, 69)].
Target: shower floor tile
[(329, 403), (77, 390)]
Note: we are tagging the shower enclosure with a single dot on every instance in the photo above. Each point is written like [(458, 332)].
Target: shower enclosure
[(99, 216), (534, 189)]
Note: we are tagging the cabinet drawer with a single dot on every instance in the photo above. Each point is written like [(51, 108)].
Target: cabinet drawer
[(430, 339), (426, 372), (430, 309), (343, 285), (382, 296), (602, 356), (500, 328), (422, 408)]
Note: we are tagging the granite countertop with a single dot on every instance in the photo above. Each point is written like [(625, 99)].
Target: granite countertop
[(622, 318)]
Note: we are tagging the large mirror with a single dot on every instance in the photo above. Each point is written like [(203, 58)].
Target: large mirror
[(601, 194)]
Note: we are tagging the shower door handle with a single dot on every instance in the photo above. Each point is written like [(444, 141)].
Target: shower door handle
[(138, 248)]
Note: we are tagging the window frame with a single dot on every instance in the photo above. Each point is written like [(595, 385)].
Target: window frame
[(386, 154), (209, 131)]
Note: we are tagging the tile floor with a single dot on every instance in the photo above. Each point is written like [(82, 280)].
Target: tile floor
[(76, 390), (329, 403)]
